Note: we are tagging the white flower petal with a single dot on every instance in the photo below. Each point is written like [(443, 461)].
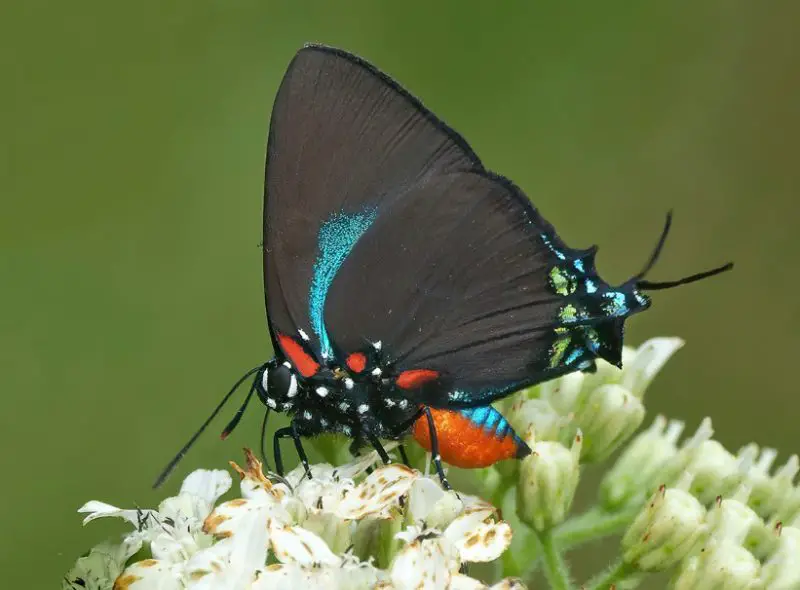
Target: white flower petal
[(650, 357), (242, 527), (424, 563), (423, 495), (463, 582), (476, 539), (149, 574), (97, 510), (381, 490), (290, 576), (206, 484), (463, 526), (295, 544), (409, 533), (322, 471)]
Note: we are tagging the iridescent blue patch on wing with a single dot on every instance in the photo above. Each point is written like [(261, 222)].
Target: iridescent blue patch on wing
[(337, 237), (574, 356), (559, 254), (616, 306)]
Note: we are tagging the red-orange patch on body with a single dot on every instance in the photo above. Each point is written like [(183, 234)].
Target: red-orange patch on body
[(415, 378), (357, 362), (463, 443), (301, 360)]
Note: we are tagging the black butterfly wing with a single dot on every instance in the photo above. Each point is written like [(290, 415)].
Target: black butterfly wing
[(462, 277), (344, 142)]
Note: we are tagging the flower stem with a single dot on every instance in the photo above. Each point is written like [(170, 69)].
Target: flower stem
[(593, 524), (614, 576), (556, 569)]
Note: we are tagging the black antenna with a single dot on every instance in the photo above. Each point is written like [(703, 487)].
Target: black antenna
[(239, 413), (176, 459), (655, 286), (644, 285), (657, 250)]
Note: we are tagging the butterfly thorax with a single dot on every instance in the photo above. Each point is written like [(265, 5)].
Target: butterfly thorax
[(335, 400)]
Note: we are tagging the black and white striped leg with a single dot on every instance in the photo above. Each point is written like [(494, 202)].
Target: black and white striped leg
[(289, 432), (437, 459)]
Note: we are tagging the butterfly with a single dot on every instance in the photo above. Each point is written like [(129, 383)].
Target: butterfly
[(407, 286)]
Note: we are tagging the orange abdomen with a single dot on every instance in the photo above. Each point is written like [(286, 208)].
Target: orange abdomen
[(473, 437)]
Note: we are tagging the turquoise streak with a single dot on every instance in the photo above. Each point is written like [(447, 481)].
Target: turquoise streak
[(336, 240)]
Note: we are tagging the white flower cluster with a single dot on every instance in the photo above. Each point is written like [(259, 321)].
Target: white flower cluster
[(717, 519), (318, 532), (747, 538), (579, 418)]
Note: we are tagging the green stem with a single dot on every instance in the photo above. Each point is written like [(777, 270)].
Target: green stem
[(593, 524), (556, 569), (612, 577)]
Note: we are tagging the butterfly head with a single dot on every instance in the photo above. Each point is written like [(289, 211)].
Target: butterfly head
[(277, 385)]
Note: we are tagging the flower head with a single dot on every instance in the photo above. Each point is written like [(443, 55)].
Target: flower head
[(666, 530), (548, 479), (299, 532)]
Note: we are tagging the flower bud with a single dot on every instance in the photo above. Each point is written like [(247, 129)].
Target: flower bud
[(647, 361), (770, 492), (548, 478), (538, 417), (635, 474), (716, 472), (608, 416), (781, 571), (563, 394), (677, 465), (732, 519), (721, 565), (788, 512), (666, 530)]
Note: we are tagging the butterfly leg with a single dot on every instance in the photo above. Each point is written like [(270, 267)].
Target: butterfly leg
[(376, 444), (437, 458), (263, 447), (355, 450), (403, 457), (289, 432)]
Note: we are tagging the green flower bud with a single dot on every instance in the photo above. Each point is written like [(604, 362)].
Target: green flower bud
[(781, 571), (788, 513), (537, 417), (770, 493), (732, 519), (563, 394), (635, 474), (608, 416), (677, 465), (548, 478), (669, 526), (647, 361), (716, 472), (724, 565)]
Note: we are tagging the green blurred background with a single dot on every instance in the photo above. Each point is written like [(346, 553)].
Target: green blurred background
[(131, 153)]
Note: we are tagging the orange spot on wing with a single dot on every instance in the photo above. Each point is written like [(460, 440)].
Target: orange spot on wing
[(415, 378), (357, 362), (462, 443), (301, 360)]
